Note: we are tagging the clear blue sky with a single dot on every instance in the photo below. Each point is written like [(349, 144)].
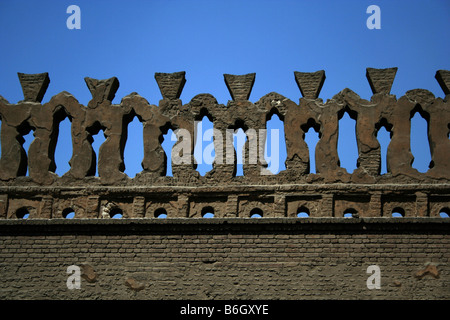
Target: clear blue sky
[(134, 39)]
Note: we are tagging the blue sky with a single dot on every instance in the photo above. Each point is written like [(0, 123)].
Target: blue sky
[(134, 39)]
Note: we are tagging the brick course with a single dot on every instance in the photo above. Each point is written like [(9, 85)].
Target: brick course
[(225, 258)]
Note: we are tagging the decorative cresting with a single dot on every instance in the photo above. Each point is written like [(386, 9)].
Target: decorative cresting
[(310, 83), (381, 80), (240, 86), (328, 192), (34, 85)]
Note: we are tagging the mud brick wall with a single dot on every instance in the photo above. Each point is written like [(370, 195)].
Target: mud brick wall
[(186, 256), (226, 258)]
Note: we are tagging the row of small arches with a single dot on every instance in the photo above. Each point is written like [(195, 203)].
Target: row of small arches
[(347, 148), (68, 213), (117, 213), (208, 212), (397, 212)]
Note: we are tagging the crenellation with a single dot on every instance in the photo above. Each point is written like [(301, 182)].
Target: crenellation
[(327, 193)]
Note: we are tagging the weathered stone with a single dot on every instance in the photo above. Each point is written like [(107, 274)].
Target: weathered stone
[(421, 96), (224, 259), (139, 207), (430, 269), (88, 273), (381, 80), (185, 249), (3, 100), (101, 90), (310, 83), (443, 78), (240, 86), (134, 285), (3, 205), (171, 84), (34, 86), (46, 207), (103, 117)]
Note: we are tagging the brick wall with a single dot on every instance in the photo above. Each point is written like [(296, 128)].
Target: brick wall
[(321, 258)]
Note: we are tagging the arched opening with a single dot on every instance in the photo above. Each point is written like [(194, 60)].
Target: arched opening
[(311, 135), (68, 213), (134, 147), (160, 213), (116, 213), (204, 152), (275, 152), (61, 142), (444, 212), (239, 139), (303, 212), (420, 147), (25, 138), (384, 136), (256, 213), (167, 139), (96, 143), (208, 212), (351, 213), (347, 143), (23, 213), (398, 212)]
